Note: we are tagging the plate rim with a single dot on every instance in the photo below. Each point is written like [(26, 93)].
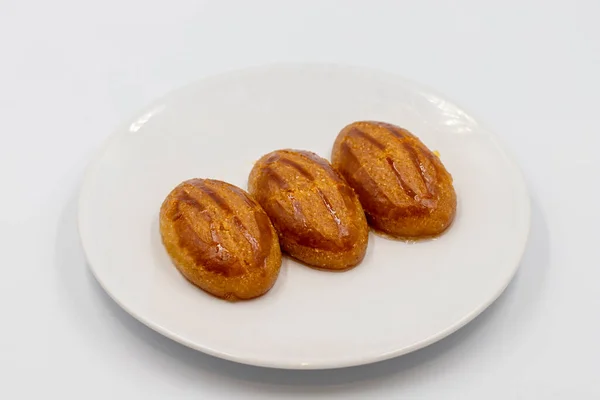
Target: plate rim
[(518, 179)]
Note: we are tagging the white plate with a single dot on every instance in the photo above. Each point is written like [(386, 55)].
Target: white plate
[(402, 297)]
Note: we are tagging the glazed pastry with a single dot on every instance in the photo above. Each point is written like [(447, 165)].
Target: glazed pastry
[(316, 214), (220, 239), (403, 187)]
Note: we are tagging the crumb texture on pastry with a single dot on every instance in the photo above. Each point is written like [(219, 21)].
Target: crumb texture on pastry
[(220, 239), (404, 188), (316, 214)]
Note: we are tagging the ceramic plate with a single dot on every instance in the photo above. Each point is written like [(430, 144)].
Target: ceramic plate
[(402, 297)]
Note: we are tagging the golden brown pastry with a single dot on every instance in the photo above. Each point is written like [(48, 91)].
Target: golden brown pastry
[(220, 239), (403, 187), (317, 215)]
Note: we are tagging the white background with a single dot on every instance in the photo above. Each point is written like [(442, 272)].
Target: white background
[(70, 71)]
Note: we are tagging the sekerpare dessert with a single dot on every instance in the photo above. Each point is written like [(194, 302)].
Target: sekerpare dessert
[(220, 239), (317, 215), (404, 188)]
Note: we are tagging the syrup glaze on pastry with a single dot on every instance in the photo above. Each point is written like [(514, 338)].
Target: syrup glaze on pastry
[(220, 239), (404, 188), (316, 214)]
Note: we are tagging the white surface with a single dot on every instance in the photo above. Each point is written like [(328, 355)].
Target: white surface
[(402, 297), (70, 74)]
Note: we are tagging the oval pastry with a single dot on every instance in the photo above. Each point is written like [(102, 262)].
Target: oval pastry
[(220, 239), (403, 187), (317, 215)]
